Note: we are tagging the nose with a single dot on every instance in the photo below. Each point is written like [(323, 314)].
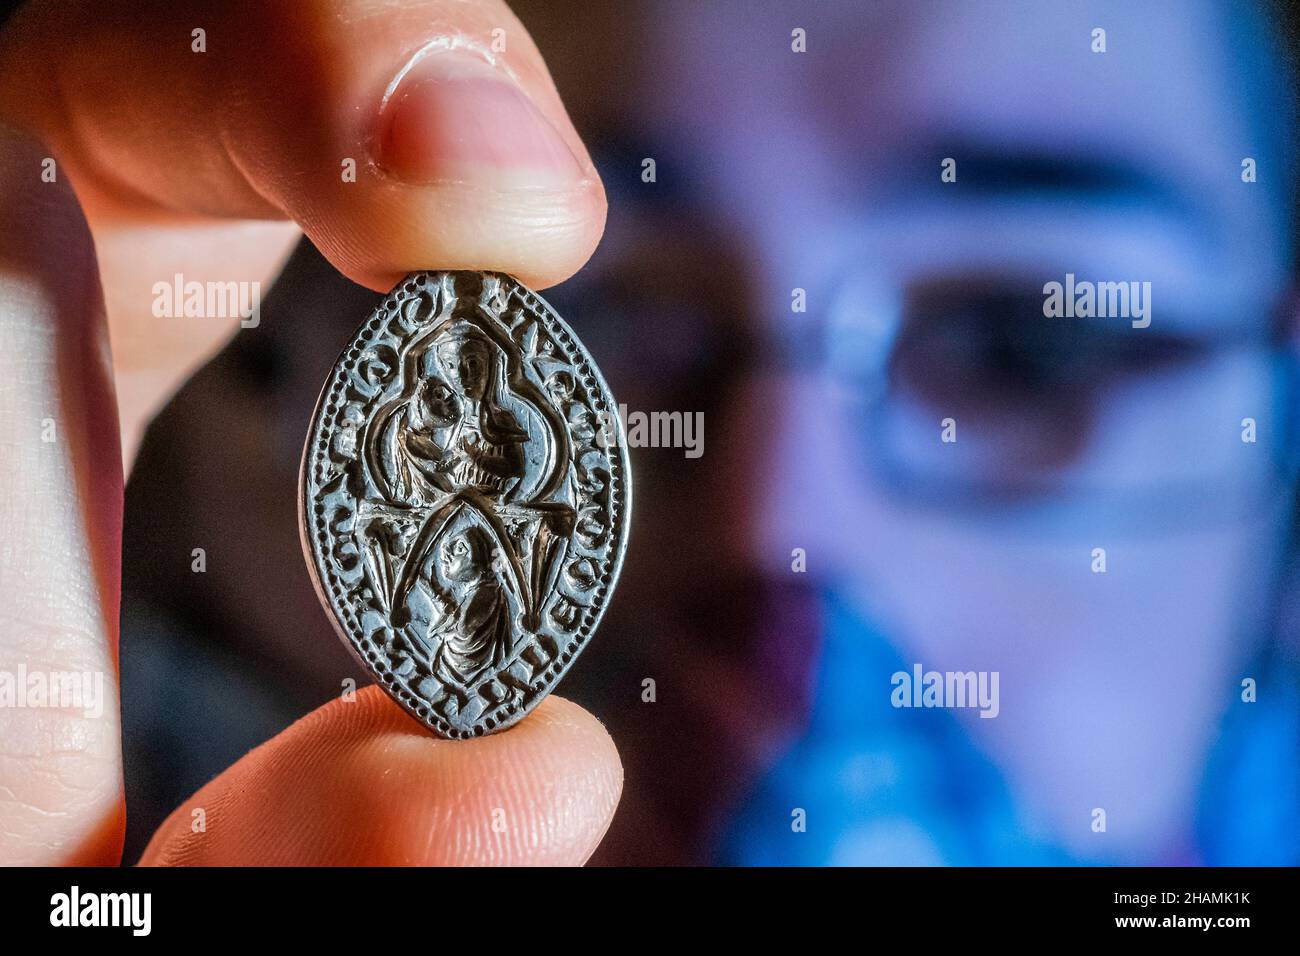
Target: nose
[(780, 491)]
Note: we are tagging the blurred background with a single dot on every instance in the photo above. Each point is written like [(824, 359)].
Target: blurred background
[(822, 171)]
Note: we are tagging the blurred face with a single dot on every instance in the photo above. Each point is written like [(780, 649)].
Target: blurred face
[(951, 457)]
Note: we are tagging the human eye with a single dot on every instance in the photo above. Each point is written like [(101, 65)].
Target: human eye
[(986, 346), (1029, 392)]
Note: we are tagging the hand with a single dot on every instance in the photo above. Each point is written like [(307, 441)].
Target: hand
[(180, 160)]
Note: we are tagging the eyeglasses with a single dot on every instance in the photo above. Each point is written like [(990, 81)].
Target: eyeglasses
[(969, 396)]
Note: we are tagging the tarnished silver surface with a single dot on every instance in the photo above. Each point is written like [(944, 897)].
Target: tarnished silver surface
[(464, 498)]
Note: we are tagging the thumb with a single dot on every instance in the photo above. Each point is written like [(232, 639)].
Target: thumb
[(400, 136), (361, 784)]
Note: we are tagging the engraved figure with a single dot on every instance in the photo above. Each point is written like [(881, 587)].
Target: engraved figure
[(456, 516), (455, 435), (474, 632), (448, 439), (453, 439)]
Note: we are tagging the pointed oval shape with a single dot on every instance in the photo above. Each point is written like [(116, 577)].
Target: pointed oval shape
[(464, 498)]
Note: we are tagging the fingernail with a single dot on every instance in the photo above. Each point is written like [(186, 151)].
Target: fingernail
[(453, 117)]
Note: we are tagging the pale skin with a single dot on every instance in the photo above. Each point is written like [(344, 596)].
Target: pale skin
[(209, 163)]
